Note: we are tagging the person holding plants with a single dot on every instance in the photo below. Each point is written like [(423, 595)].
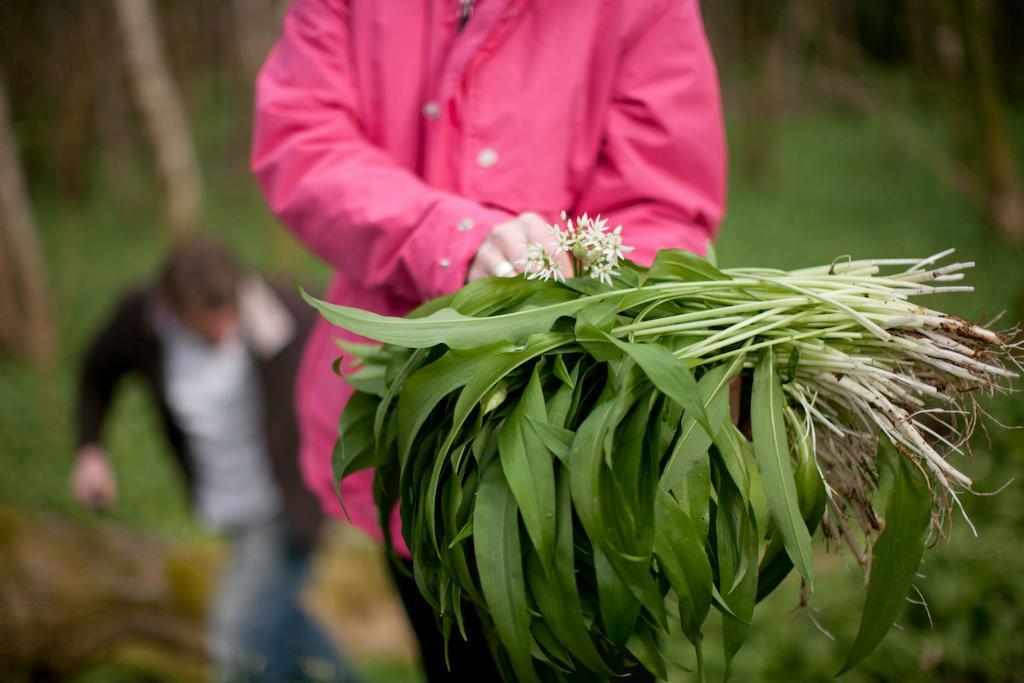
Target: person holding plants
[(418, 146)]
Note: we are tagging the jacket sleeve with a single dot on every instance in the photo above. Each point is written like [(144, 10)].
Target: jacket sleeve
[(347, 199), (107, 359), (662, 165)]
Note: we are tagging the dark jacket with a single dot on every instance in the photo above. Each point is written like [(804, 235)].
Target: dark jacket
[(129, 343)]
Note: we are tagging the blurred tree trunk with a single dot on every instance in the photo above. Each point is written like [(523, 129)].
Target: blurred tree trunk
[(163, 111), (762, 65), (256, 23), (26, 322), (972, 85), (77, 35), (73, 594)]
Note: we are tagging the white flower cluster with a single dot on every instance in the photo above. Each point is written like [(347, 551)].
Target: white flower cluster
[(594, 250)]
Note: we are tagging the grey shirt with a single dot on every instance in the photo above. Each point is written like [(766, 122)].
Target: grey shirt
[(214, 394)]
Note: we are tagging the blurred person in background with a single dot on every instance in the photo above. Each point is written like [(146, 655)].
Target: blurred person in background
[(218, 346), (417, 145)]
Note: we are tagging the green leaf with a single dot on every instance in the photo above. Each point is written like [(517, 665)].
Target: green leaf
[(449, 327), (370, 379), (592, 495), (687, 464), (499, 563), (561, 403), (684, 561), (494, 371), (737, 563), (562, 372), (547, 649), (396, 384), (676, 264), (619, 608), (810, 491), (897, 553), (585, 463), (643, 645), (431, 383), (556, 592), (556, 439), (771, 448), (487, 296), (729, 444), (732, 440), (528, 469), (354, 449), (670, 375)]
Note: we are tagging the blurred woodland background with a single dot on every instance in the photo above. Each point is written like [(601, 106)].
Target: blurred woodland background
[(863, 127)]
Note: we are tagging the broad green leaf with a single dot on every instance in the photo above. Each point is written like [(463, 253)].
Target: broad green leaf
[(441, 464), (732, 439), (431, 383), (562, 372), (556, 439), (712, 255), (395, 386), (684, 561), (449, 327), (810, 491), (499, 563), (592, 496), (737, 565), (369, 379), (628, 506), (464, 533), (670, 375), (771, 448), (547, 649), (687, 471), (556, 593), (364, 353), (493, 372), (561, 402), (730, 453), (487, 296), (528, 469), (630, 556), (620, 609), (585, 463), (629, 450), (676, 264), (897, 553), (643, 645), (354, 449)]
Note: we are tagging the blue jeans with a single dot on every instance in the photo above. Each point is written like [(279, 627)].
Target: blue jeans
[(258, 629)]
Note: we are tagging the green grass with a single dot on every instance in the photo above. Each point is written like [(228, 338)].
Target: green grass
[(839, 185)]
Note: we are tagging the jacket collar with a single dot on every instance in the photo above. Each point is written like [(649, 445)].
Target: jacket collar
[(486, 16)]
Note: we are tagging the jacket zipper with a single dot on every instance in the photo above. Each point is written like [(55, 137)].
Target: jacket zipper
[(465, 11)]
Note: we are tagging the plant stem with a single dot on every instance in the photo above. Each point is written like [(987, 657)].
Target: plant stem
[(700, 658)]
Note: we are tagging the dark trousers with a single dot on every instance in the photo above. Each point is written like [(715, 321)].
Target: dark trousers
[(471, 660)]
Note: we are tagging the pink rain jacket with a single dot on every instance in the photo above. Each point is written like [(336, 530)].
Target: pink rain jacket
[(390, 143)]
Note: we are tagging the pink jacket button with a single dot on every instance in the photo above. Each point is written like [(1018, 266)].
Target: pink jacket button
[(431, 110), (486, 158)]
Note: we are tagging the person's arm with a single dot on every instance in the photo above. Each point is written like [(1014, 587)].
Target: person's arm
[(661, 170), (347, 199), (106, 361)]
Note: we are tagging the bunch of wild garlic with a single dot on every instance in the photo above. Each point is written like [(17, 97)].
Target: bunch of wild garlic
[(565, 462)]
